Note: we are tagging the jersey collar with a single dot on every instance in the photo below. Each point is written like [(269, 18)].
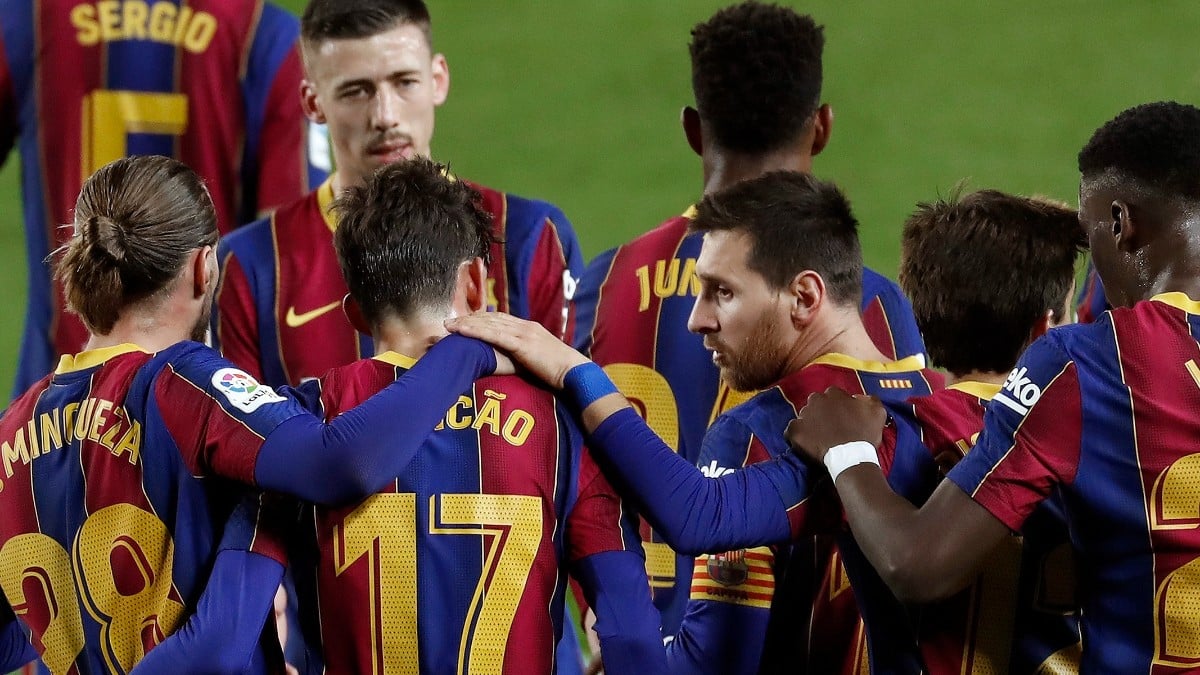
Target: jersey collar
[(70, 363), (690, 212), (908, 363), (396, 359), (980, 390), (325, 200), (1178, 301)]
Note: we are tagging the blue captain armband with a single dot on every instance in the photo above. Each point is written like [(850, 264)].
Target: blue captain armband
[(585, 384)]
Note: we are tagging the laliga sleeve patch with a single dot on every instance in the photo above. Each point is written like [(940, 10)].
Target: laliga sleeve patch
[(242, 391)]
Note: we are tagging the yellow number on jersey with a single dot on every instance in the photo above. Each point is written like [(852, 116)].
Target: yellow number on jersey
[(109, 116), (121, 531), (383, 529), (1173, 506)]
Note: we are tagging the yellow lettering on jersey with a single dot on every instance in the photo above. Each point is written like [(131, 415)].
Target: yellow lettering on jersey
[(670, 278), (51, 431), (514, 425), (96, 420), (114, 21)]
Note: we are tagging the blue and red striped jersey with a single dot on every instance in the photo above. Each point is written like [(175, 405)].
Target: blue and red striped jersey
[(1106, 413), (460, 566), (279, 309), (772, 597), (1020, 615), (113, 499), (633, 305), (210, 82), (1090, 303)]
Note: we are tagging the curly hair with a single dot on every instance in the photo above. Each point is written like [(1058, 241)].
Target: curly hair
[(756, 75), (401, 237), (1154, 144)]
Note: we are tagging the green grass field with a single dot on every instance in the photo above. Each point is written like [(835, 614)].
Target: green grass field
[(578, 103)]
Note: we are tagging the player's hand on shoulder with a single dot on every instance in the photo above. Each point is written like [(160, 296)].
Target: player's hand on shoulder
[(528, 343), (834, 417)]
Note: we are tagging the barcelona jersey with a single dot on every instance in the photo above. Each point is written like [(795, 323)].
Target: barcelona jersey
[(634, 303), (1018, 616), (1091, 302), (279, 308), (112, 492), (460, 565), (773, 594), (210, 82), (1106, 412)]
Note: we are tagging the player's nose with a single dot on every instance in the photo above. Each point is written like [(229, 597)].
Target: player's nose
[(386, 112), (702, 320)]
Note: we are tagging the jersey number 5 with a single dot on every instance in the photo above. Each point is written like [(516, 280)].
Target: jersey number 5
[(109, 116)]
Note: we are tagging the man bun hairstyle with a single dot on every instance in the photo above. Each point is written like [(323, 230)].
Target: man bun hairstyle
[(402, 236), (756, 75), (1156, 145), (988, 265), (795, 223), (136, 220)]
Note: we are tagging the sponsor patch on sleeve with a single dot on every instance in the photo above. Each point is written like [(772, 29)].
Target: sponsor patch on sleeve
[(243, 391)]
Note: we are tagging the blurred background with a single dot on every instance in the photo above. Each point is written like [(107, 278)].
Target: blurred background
[(578, 103)]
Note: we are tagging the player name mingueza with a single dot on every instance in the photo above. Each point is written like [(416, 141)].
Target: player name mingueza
[(671, 277), (116, 20), (514, 425), (94, 419)]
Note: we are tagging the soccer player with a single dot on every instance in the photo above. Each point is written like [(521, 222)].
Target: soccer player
[(459, 564), (372, 76), (117, 468), (758, 108), (1103, 412), (210, 82), (780, 271)]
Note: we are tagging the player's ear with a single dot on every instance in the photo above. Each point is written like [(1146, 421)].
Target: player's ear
[(472, 283), (822, 128), (689, 117), (806, 294), (204, 270), (441, 79), (1124, 230), (308, 102)]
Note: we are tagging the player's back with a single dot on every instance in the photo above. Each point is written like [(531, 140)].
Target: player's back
[(1019, 616), (209, 82), (107, 537), (460, 567), (1118, 397)]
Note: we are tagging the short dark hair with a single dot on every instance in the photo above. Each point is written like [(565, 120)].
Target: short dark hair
[(980, 271), (353, 19), (401, 237), (796, 223), (1154, 144), (136, 220), (756, 75)]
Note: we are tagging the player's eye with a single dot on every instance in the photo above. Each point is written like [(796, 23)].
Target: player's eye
[(724, 293)]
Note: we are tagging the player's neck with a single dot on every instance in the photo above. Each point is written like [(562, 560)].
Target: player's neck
[(148, 331), (410, 336), (723, 169), (839, 332), (986, 376)]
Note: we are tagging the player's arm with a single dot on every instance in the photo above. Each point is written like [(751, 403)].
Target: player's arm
[(223, 635), (606, 557), (15, 649), (256, 436), (235, 319), (725, 623), (287, 166), (929, 553), (693, 513), (555, 268)]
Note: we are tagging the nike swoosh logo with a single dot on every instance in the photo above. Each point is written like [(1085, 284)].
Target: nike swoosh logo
[(295, 320)]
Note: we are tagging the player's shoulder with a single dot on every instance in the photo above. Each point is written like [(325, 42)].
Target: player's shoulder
[(664, 239), (256, 243), (519, 211), (517, 390), (875, 283)]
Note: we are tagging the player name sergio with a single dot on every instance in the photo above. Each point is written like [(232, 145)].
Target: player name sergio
[(116, 20), (94, 419)]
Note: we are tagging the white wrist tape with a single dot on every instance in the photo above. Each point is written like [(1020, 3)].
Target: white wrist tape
[(842, 457)]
